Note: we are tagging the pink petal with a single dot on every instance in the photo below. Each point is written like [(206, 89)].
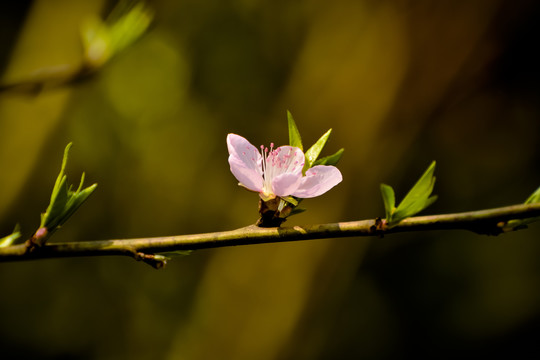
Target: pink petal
[(285, 159), (245, 161), (286, 184), (246, 176), (243, 150), (318, 180)]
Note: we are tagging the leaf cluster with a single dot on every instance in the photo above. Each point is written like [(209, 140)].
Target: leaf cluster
[(416, 200), (312, 154), (64, 201)]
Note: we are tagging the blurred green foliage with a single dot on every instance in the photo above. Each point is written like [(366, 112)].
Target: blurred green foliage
[(11, 238), (400, 82), (101, 40)]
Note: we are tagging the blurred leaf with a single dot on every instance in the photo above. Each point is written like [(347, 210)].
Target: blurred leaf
[(389, 200), (416, 200), (294, 134), (290, 200), (331, 159), (102, 40), (130, 26), (534, 198), (522, 223), (96, 41), (297, 210), (10, 239), (64, 202), (313, 152), (168, 254)]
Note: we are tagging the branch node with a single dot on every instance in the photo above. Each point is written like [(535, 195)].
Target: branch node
[(155, 261), (489, 228), (37, 240), (380, 227)]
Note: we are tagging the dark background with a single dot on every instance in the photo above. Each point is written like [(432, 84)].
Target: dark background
[(401, 82)]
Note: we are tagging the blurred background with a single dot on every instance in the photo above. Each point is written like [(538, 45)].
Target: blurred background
[(401, 82)]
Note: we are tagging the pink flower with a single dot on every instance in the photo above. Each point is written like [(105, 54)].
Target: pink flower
[(278, 172)]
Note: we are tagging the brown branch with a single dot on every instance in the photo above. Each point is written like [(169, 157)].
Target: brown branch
[(490, 222), (52, 78)]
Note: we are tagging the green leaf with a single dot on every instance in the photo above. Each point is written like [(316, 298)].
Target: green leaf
[(290, 199), (56, 207), (389, 200), (330, 160), (412, 208), (103, 39), (417, 199), (522, 223), (10, 239), (534, 198), (64, 201), (294, 134), (59, 195), (422, 189), (76, 199), (61, 177), (96, 41), (313, 152), (130, 26)]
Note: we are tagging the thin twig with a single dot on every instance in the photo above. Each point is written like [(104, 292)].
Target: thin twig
[(490, 222), (48, 79)]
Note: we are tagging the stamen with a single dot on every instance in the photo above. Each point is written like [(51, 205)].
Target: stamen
[(263, 153)]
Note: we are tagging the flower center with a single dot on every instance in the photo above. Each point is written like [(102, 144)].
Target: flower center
[(276, 162)]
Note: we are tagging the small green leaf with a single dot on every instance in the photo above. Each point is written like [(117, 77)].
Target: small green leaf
[(64, 201), (291, 200), (417, 199), (103, 39), (534, 198), (389, 201), (412, 209), (313, 152), (130, 26), (330, 160), (75, 201), (294, 134), (58, 202), (430, 200), (422, 189), (522, 223), (96, 41), (60, 178), (10, 239), (59, 195)]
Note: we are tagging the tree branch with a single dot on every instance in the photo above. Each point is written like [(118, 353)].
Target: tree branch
[(489, 222), (52, 78)]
